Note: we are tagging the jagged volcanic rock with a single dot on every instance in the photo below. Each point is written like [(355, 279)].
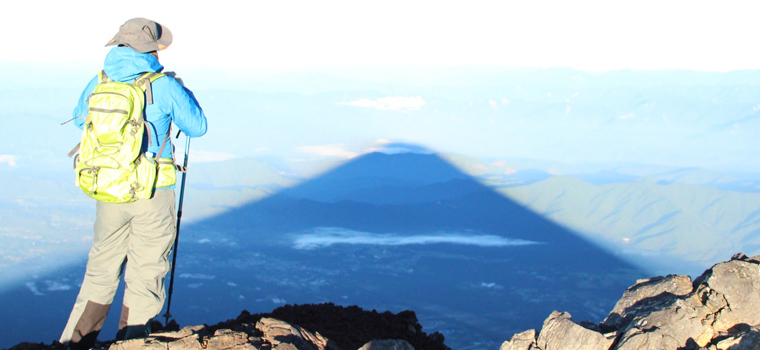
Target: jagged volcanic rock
[(351, 327), (719, 310), (521, 341), (38, 346), (290, 327), (387, 344), (266, 334), (643, 297), (562, 332)]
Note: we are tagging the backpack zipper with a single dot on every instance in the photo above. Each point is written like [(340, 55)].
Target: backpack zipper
[(103, 110)]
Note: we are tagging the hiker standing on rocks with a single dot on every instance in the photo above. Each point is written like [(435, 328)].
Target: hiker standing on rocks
[(132, 238)]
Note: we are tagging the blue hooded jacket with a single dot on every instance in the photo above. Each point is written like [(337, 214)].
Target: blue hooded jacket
[(171, 101)]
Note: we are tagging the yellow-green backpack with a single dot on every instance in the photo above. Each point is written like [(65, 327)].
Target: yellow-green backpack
[(111, 166)]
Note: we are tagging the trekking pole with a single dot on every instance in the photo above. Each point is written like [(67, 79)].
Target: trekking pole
[(168, 314)]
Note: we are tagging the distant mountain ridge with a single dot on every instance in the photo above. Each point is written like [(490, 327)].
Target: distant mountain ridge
[(698, 224), (376, 174), (657, 168), (678, 219), (684, 118)]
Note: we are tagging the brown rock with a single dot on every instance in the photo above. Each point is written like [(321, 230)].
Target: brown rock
[(132, 344), (350, 327), (559, 332), (279, 332), (388, 344), (193, 338), (228, 339), (521, 341), (326, 324), (56, 345), (674, 323), (187, 343), (746, 340), (184, 332), (725, 298), (150, 343), (646, 295), (734, 293)]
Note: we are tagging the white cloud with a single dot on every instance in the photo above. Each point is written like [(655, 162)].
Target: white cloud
[(396, 148), (397, 103), (327, 236), (378, 146), (399, 149), (627, 116), (208, 157), (197, 276), (493, 104), (8, 159), (53, 286), (337, 150), (33, 287)]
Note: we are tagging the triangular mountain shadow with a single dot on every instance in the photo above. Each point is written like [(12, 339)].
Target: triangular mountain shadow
[(348, 237)]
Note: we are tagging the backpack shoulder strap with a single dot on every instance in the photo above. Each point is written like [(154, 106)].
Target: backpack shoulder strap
[(103, 78), (144, 83), (166, 139)]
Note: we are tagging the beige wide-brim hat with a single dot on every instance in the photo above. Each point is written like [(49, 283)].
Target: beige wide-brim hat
[(142, 35)]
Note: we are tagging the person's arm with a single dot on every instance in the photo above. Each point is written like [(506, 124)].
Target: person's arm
[(81, 109), (185, 111)]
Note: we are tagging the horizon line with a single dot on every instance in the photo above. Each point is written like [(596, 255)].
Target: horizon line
[(386, 66)]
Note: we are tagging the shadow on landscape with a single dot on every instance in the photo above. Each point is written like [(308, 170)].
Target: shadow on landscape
[(361, 235), (354, 236)]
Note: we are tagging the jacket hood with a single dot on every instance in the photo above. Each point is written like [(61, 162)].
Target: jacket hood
[(125, 64)]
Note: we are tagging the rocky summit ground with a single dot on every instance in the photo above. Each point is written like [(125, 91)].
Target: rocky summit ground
[(719, 310), (290, 327)]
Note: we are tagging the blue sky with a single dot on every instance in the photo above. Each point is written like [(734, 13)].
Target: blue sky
[(264, 36), (358, 76)]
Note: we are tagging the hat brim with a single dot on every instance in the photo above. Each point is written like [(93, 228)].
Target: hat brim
[(161, 44)]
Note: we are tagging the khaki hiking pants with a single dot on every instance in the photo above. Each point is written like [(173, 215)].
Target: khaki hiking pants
[(133, 239)]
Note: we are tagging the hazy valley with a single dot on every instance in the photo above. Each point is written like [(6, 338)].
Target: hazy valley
[(473, 205)]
